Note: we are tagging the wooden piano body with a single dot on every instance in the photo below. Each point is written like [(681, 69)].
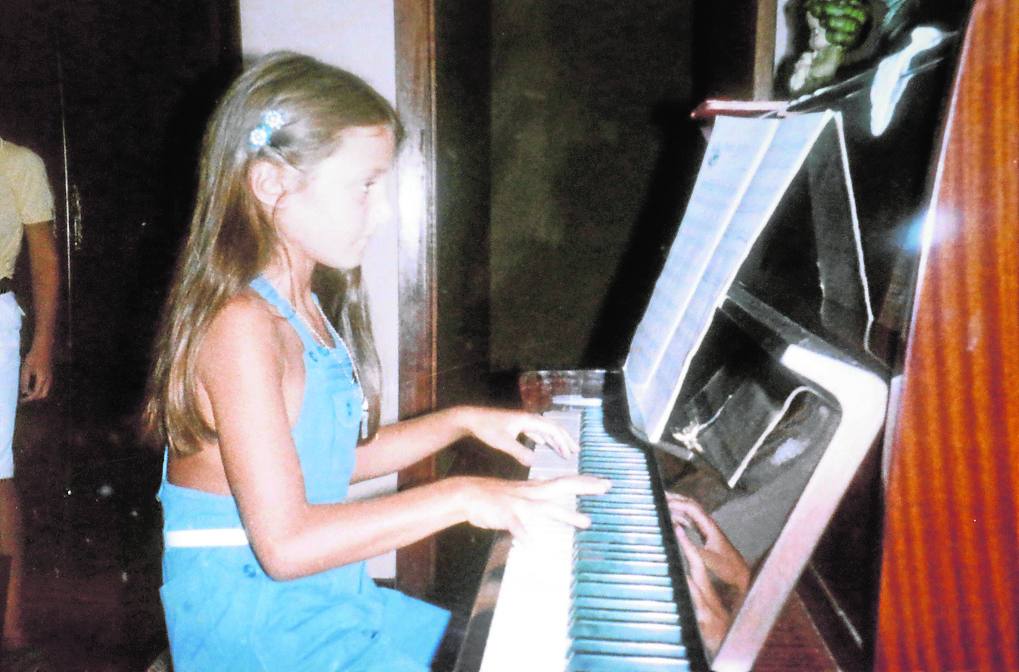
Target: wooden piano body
[(949, 596), (948, 466)]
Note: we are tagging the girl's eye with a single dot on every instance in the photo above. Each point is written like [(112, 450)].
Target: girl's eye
[(366, 187)]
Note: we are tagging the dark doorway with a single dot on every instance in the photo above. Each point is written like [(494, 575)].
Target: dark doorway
[(112, 96)]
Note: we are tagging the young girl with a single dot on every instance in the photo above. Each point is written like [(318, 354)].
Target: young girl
[(261, 401)]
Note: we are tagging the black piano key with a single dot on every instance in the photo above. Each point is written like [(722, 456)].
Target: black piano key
[(662, 633), (622, 528), (630, 484), (624, 616), (624, 498), (601, 449), (597, 444), (632, 579), (605, 458), (647, 500), (622, 525), (585, 554), (618, 490), (615, 455), (588, 602), (611, 509), (653, 649), (597, 505), (594, 662), (650, 538), (646, 546), (623, 590), (616, 548), (619, 486), (622, 501), (622, 480), (599, 554), (626, 518), (585, 566)]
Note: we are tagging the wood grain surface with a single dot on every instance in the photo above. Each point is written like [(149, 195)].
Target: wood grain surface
[(950, 570)]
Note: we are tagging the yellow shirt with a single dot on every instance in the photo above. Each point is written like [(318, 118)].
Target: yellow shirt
[(25, 198)]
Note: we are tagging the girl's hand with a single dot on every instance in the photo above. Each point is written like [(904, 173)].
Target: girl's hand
[(502, 429), (524, 506), (717, 553)]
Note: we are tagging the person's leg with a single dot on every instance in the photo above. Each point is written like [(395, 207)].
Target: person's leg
[(11, 538), (11, 544)]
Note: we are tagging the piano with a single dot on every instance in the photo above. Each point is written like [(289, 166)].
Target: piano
[(780, 412)]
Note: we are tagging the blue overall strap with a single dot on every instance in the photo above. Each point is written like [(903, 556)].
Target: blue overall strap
[(286, 311), (162, 480)]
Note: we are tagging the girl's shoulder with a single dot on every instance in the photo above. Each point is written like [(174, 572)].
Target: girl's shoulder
[(247, 309), (247, 326)]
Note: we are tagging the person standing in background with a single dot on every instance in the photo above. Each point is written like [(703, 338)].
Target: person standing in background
[(26, 211)]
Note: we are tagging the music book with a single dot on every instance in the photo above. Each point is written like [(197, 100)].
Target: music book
[(747, 168)]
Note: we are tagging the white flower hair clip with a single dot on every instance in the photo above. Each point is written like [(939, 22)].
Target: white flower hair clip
[(261, 135)]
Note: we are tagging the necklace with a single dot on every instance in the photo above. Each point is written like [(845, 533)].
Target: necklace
[(338, 342)]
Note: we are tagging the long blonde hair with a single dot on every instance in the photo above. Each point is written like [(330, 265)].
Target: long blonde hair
[(232, 239)]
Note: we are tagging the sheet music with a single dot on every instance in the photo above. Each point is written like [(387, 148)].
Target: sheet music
[(702, 274), (734, 152)]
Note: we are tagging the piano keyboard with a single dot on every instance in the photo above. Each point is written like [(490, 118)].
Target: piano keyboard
[(601, 599)]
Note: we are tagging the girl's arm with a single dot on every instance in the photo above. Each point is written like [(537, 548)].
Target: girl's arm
[(401, 445), (243, 370)]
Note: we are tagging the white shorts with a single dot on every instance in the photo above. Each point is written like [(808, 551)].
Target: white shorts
[(10, 365)]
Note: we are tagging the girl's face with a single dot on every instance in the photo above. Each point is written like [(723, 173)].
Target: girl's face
[(331, 214)]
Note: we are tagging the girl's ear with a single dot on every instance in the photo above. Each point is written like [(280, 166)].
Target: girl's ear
[(268, 182)]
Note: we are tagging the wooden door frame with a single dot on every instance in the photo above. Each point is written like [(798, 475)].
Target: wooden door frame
[(416, 255)]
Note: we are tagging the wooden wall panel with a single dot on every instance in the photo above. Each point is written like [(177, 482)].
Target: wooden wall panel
[(950, 573)]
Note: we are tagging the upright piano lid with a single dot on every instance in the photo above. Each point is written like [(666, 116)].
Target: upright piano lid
[(746, 174)]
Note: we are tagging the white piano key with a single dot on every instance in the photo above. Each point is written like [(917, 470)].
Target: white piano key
[(531, 620), (530, 623)]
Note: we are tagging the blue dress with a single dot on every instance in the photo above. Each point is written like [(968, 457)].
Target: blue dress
[(224, 613)]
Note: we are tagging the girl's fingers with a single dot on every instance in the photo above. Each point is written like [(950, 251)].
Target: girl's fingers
[(500, 429), (552, 499), (517, 529), (534, 517), (565, 443), (516, 450), (559, 514), (557, 443), (568, 516), (556, 439), (569, 485)]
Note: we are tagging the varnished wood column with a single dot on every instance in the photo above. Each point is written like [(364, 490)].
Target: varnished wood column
[(950, 572), (415, 101)]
